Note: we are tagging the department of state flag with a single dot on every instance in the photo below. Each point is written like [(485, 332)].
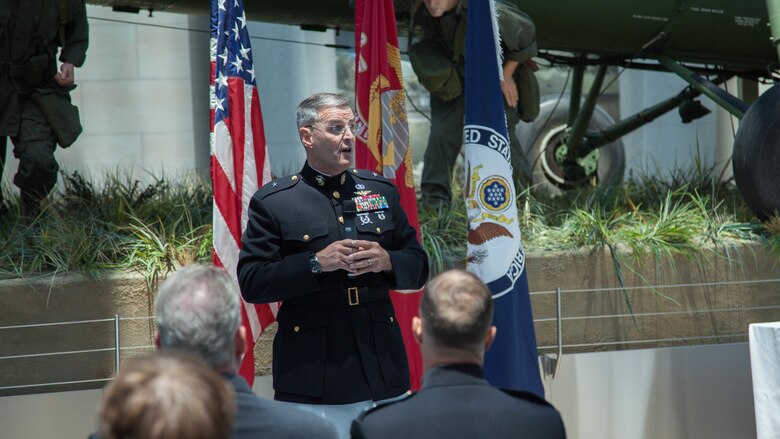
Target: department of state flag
[(495, 252)]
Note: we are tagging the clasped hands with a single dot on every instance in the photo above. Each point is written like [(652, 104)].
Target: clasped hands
[(355, 256)]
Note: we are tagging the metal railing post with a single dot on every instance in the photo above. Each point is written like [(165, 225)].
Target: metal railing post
[(550, 365), (560, 332), (116, 344)]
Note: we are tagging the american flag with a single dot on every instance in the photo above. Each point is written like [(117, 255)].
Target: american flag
[(239, 160)]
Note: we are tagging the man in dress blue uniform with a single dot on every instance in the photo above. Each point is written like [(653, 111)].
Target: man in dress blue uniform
[(454, 331), (330, 242)]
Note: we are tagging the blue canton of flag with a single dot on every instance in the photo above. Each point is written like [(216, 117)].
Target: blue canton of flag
[(495, 252), (233, 52)]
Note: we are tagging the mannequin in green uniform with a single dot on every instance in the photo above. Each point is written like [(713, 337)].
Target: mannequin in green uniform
[(443, 28), (35, 109)]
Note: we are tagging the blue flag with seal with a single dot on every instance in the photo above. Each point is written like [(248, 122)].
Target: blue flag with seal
[(495, 252)]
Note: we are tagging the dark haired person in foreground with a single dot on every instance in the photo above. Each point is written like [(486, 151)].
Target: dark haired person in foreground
[(454, 331)]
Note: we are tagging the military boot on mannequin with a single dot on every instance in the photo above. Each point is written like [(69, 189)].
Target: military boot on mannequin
[(32, 204)]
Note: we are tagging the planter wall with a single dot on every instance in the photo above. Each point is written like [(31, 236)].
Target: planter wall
[(683, 314), (70, 298), (662, 316)]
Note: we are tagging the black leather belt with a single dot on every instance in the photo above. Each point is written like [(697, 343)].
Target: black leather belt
[(349, 296), (13, 69)]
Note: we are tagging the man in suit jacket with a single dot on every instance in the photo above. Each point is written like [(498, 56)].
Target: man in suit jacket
[(454, 331), (199, 311)]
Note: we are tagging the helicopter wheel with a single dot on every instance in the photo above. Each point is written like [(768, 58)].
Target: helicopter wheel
[(756, 157), (544, 142)]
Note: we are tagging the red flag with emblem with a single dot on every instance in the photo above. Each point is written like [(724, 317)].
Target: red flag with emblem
[(383, 134)]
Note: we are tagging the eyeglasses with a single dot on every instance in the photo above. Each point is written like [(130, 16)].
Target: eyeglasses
[(338, 128)]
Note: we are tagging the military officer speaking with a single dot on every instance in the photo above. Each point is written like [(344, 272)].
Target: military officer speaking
[(330, 242)]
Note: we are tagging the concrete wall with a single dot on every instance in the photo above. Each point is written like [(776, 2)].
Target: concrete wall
[(596, 311), (671, 392), (70, 299), (665, 144), (143, 96), (699, 392), (143, 93), (593, 320)]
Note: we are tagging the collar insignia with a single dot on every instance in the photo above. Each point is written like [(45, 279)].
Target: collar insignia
[(320, 180), (343, 178)]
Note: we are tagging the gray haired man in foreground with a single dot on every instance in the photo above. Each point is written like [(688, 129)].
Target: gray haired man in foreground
[(199, 312)]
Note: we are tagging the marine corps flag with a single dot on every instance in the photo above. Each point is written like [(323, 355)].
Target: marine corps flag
[(495, 252), (383, 135)]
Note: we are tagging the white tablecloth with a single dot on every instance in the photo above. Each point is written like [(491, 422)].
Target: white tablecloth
[(765, 367)]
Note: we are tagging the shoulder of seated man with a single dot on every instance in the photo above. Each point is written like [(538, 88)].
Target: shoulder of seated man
[(306, 423), (383, 405), (527, 396)]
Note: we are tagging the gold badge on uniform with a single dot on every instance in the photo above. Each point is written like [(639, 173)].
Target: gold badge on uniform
[(360, 192)]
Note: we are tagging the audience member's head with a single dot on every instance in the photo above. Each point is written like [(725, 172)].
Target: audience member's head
[(199, 311), (456, 311), (167, 396)]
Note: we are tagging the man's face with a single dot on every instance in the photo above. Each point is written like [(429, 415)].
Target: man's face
[(330, 142), (437, 8)]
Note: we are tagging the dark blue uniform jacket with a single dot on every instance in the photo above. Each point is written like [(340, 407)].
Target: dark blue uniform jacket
[(338, 340), (457, 402)]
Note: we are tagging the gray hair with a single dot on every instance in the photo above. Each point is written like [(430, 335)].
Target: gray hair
[(457, 310), (308, 111), (199, 311)]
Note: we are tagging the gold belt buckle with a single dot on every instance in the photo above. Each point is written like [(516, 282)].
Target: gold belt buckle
[(350, 292)]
